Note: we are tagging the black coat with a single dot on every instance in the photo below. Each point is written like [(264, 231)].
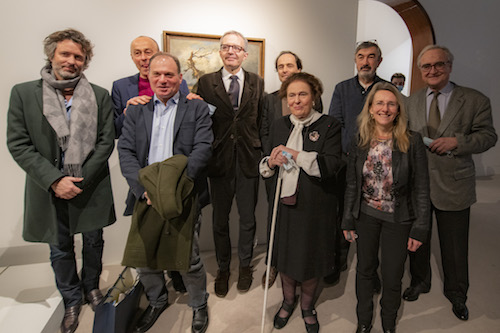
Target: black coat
[(410, 187)]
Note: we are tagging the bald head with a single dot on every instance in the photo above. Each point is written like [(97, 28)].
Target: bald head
[(141, 50)]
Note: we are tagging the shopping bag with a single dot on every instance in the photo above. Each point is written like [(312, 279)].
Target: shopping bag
[(116, 312)]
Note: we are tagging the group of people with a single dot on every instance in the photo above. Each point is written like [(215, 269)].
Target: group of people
[(372, 171)]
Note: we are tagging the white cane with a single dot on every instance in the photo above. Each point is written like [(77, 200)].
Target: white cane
[(270, 247)]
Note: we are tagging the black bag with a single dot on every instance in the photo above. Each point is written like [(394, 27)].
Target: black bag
[(116, 312)]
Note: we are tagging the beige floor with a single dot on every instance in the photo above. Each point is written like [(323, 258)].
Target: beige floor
[(242, 313)]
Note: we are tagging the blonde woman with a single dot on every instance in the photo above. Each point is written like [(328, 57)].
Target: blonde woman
[(386, 201)]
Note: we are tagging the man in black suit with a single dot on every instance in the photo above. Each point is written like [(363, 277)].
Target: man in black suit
[(168, 125), (236, 94)]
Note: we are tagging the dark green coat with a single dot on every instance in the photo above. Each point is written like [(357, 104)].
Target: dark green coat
[(33, 145)]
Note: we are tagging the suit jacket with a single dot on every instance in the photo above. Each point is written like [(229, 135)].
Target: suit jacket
[(192, 138), (123, 90), (410, 187), (272, 110), (468, 118), (33, 145), (234, 132)]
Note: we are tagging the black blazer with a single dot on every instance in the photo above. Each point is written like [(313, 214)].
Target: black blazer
[(234, 131), (410, 186)]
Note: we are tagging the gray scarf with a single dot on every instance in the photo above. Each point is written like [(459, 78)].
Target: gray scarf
[(78, 137)]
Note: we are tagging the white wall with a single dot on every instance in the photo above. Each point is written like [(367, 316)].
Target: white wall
[(322, 32), (379, 21), (470, 30)]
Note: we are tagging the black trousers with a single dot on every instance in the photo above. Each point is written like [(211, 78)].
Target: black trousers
[(62, 257), (453, 230), (392, 239), (222, 190)]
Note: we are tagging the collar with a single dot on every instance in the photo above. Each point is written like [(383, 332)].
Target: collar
[(226, 74), (448, 88), (173, 100)]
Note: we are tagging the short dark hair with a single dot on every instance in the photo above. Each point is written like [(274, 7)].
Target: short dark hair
[(367, 45), (398, 76), (297, 59), (166, 55), (50, 44), (313, 82)]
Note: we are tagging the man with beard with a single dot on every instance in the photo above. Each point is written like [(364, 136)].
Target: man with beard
[(60, 132), (347, 102)]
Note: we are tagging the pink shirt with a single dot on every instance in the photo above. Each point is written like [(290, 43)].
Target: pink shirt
[(145, 87)]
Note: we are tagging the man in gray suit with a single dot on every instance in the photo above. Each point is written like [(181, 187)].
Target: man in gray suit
[(168, 125), (455, 122)]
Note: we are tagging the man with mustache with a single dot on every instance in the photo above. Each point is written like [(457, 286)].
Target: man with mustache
[(347, 102), (60, 132)]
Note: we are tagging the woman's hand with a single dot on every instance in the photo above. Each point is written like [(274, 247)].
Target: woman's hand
[(413, 244), (276, 157), (350, 235)]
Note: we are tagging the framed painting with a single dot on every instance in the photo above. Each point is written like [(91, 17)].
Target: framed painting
[(199, 54)]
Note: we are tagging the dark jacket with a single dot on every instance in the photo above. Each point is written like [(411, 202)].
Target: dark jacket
[(410, 187), (234, 132), (161, 235), (33, 145)]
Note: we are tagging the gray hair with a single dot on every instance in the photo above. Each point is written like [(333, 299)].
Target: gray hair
[(367, 45), (50, 44), (239, 34), (446, 51), (166, 55)]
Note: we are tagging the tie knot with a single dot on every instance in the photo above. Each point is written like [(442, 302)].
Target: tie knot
[(436, 94), (234, 78)]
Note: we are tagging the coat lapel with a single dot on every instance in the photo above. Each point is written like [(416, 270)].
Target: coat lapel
[(148, 118), (179, 116), (220, 90), (421, 112), (248, 88), (457, 100)]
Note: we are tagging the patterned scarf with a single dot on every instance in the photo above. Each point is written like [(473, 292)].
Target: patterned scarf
[(77, 137)]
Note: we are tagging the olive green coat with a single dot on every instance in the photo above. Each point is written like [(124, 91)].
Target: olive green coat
[(33, 145)]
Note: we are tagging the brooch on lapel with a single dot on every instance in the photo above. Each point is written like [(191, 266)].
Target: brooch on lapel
[(314, 136)]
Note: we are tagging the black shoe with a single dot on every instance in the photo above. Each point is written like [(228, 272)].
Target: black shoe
[(178, 282), (311, 328), (364, 329), (70, 319), (200, 320), (411, 293), (280, 322), (148, 318), (390, 330), (377, 287), (460, 310), (221, 283), (273, 274), (94, 298), (245, 279)]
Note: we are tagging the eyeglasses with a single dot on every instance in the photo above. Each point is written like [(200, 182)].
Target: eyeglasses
[(236, 48), (437, 66), (390, 105)]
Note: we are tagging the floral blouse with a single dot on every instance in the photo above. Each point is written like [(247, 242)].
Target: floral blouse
[(377, 176)]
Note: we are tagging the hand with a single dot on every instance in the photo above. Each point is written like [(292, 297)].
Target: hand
[(64, 188), (350, 235), (443, 145), (147, 198), (276, 157), (144, 99), (413, 244), (191, 96)]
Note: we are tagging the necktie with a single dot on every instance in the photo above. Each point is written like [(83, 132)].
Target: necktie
[(434, 116), (234, 91)]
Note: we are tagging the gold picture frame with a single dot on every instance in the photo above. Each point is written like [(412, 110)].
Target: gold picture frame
[(199, 54)]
